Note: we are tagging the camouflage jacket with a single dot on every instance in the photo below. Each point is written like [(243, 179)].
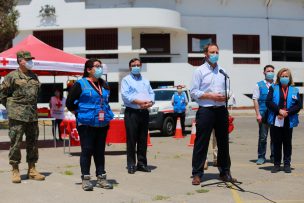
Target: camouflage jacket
[(19, 94)]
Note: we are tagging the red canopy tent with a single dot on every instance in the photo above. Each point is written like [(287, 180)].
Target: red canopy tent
[(48, 60)]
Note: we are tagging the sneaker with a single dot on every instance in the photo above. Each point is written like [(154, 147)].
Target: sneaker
[(287, 169), (103, 183), (260, 161), (275, 169), (86, 183)]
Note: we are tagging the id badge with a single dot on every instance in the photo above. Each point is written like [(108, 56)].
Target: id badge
[(101, 115)]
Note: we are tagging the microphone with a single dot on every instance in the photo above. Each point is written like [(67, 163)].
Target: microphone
[(225, 74)]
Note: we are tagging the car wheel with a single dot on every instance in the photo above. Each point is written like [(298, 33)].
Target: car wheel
[(168, 126)]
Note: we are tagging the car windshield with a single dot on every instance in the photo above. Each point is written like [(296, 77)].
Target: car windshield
[(164, 95)]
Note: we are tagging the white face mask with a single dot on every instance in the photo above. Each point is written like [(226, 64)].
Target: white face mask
[(29, 65)]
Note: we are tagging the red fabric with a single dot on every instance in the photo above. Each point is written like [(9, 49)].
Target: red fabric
[(116, 133), (42, 52), (231, 125)]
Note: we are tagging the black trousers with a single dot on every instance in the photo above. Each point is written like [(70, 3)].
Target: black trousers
[(136, 123), (56, 124), (93, 142), (207, 119), (182, 120), (282, 136)]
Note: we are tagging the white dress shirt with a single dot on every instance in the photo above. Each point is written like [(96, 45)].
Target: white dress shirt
[(208, 79)]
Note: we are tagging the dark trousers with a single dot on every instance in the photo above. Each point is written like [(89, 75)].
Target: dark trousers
[(207, 119), (136, 123), (282, 136), (56, 124), (93, 142), (262, 143), (182, 120)]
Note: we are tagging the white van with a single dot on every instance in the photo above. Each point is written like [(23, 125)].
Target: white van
[(161, 113)]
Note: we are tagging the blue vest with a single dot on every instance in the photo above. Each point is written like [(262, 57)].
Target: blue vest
[(90, 103), (263, 96), (179, 102), (292, 97)]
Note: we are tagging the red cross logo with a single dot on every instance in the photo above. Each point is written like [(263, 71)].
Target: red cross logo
[(4, 61), (59, 105)]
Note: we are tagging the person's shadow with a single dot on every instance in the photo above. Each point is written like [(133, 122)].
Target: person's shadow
[(25, 177)]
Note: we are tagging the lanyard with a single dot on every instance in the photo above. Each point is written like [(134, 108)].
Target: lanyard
[(97, 88), (285, 92)]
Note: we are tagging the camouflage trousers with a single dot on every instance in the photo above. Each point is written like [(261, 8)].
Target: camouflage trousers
[(16, 131)]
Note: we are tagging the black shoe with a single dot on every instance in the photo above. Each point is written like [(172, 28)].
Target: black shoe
[(275, 169), (143, 168), (287, 169), (131, 169), (226, 177)]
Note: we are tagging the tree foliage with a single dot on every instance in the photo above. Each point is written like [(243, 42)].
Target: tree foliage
[(8, 23)]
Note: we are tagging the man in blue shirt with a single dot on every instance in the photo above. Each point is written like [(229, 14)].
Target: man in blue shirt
[(208, 89), (137, 96), (179, 101)]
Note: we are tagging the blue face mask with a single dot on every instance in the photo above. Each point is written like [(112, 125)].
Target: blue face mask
[(98, 73), (135, 70), (284, 80), (269, 75), (213, 58)]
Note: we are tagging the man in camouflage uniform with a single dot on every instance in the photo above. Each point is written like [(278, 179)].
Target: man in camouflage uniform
[(19, 94)]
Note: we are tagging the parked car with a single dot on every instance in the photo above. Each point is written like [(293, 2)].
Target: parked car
[(161, 113)]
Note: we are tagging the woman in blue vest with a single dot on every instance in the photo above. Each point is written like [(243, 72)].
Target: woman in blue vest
[(284, 103), (89, 99)]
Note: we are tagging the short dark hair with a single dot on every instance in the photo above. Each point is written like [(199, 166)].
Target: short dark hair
[(206, 47), (268, 66), (133, 60)]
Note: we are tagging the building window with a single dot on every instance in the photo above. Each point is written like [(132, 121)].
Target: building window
[(246, 60), (196, 61), (287, 49), (102, 39), (155, 59), (53, 38), (196, 42), (155, 43), (102, 56), (114, 91), (246, 44)]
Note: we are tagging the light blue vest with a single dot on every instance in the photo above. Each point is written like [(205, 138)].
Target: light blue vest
[(292, 97), (179, 102), (90, 103), (263, 96)]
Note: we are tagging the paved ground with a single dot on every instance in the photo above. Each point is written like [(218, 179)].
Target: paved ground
[(170, 179)]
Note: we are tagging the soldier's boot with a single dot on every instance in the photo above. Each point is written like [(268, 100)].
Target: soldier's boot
[(16, 174), (33, 173), (103, 182)]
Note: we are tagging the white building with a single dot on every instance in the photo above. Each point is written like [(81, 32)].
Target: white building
[(167, 34)]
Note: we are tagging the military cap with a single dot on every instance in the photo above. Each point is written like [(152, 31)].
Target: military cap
[(24, 54)]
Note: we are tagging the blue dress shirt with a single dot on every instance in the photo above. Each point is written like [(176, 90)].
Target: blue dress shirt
[(135, 87), (208, 79)]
